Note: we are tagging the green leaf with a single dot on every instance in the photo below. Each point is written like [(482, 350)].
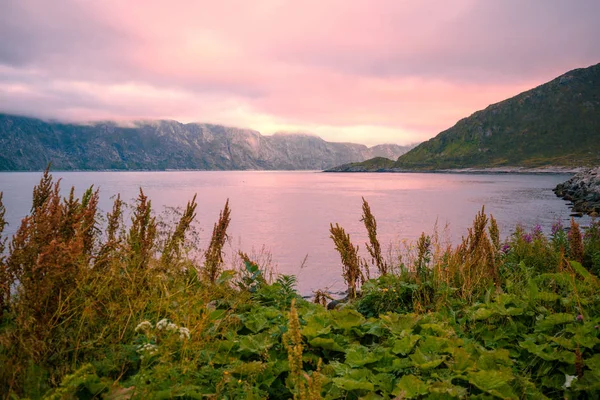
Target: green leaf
[(552, 320), (410, 387), (326, 343), (446, 389), (351, 384), (256, 322), (256, 344), (582, 271), (461, 360), (432, 344), (347, 319), (405, 345), (425, 361), (316, 326), (493, 382), (357, 356), (482, 314)]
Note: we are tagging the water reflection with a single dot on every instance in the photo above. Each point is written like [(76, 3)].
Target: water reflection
[(290, 212)]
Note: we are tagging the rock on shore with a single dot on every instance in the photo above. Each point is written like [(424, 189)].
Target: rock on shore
[(583, 190)]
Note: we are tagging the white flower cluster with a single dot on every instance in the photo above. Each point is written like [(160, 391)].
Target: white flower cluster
[(144, 326), (147, 349), (164, 324), (184, 333)]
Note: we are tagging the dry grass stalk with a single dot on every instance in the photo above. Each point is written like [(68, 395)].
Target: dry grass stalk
[(142, 234), (214, 253), (321, 297), (373, 247), (575, 242), (173, 247), (349, 255), (472, 267)]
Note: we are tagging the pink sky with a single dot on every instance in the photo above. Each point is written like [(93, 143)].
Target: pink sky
[(366, 71)]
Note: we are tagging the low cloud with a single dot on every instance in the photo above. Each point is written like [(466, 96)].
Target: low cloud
[(363, 71)]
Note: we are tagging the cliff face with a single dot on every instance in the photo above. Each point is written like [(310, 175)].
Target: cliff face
[(29, 144)]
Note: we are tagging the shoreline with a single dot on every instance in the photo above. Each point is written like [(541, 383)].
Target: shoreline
[(493, 171)]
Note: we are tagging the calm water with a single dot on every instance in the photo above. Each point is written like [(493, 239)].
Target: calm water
[(290, 212)]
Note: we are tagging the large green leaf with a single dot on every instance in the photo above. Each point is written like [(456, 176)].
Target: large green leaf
[(405, 345), (347, 319), (357, 356), (496, 382), (326, 343), (410, 387), (552, 320), (426, 361)]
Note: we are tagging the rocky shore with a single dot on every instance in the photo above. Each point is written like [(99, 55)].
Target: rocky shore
[(583, 190)]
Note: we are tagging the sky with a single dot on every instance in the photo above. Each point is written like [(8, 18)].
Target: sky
[(364, 71)]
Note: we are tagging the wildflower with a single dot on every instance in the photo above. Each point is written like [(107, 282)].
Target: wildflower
[(225, 373), (184, 333), (505, 248), (384, 289), (528, 238), (148, 349), (557, 227), (162, 324), (597, 327), (143, 326), (569, 380), (580, 317), (239, 381), (537, 230), (172, 327)]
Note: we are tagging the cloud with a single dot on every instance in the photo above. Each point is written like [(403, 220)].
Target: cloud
[(364, 70)]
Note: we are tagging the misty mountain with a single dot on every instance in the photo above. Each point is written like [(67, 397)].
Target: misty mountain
[(29, 144)]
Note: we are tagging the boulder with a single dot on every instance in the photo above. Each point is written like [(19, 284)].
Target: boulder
[(583, 190)]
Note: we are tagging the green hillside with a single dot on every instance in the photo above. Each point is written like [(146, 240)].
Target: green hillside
[(555, 124)]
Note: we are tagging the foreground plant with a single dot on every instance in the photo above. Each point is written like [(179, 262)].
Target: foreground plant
[(132, 314)]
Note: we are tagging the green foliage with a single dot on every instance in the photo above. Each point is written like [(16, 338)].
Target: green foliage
[(126, 314)]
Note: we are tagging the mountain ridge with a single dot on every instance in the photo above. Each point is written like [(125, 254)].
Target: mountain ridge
[(29, 144)]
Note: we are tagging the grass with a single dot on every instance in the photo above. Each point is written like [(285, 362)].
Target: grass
[(126, 311)]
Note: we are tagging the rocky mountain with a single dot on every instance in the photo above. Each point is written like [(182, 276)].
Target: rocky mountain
[(555, 124), (29, 144)]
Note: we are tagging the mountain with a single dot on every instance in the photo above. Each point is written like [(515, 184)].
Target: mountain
[(556, 124), (29, 144)]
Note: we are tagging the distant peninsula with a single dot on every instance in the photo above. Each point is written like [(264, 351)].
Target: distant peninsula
[(553, 127), (30, 144)]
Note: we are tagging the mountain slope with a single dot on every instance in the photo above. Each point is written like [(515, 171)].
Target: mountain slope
[(555, 124), (30, 144)]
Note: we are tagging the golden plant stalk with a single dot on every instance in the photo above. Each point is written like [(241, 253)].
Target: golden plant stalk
[(349, 256), (172, 249), (373, 247), (214, 253), (142, 234), (303, 386), (575, 242)]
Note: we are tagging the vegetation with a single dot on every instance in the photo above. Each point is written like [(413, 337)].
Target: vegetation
[(555, 124), (94, 309)]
